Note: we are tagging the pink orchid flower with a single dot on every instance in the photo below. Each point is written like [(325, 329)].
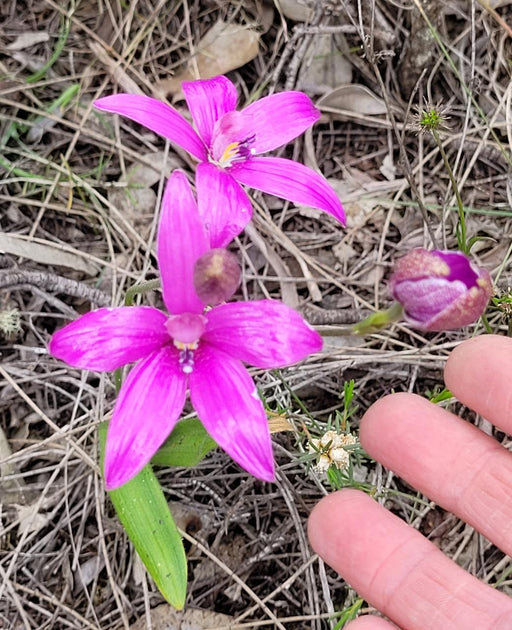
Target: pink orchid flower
[(191, 349), (227, 142)]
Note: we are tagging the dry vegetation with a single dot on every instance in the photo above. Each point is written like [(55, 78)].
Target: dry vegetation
[(77, 227)]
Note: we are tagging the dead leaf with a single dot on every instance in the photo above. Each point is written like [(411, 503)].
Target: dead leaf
[(89, 570), (278, 422), (28, 39), (344, 252), (44, 253), (328, 66), (388, 168), (353, 98), (31, 519), (296, 10), (356, 190), (164, 617), (265, 14), (225, 46), (12, 490), (186, 518)]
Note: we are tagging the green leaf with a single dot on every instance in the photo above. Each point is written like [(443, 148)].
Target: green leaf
[(186, 446), (143, 511), (440, 396)]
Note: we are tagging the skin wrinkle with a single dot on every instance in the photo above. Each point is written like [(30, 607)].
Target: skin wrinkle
[(495, 487), (440, 616), (500, 412), (425, 569), (431, 481), (504, 621), (465, 596), (457, 467), (464, 482), (389, 596)]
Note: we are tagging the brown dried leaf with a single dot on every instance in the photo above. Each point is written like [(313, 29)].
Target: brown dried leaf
[(224, 47), (46, 254), (327, 67), (11, 490), (28, 39), (278, 422), (31, 519), (296, 10), (353, 98)]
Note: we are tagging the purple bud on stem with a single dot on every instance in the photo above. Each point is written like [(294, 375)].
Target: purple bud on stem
[(440, 290), (216, 276)]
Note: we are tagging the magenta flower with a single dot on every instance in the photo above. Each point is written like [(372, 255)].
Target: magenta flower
[(227, 142), (190, 350), (440, 290)]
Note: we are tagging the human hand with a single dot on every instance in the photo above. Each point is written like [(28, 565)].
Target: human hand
[(459, 467)]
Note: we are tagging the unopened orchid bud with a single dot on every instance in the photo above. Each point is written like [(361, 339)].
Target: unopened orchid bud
[(440, 290), (216, 276)]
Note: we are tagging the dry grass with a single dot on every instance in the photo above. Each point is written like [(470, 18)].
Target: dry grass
[(77, 234)]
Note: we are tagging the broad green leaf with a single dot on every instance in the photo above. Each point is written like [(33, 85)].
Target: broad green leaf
[(186, 446), (143, 511)]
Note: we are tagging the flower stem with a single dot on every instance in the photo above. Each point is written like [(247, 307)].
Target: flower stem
[(377, 321), (137, 289), (461, 228)]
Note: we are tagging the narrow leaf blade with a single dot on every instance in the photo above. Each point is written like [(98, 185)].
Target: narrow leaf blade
[(143, 511), (186, 446)]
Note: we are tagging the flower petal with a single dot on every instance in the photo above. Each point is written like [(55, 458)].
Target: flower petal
[(264, 333), (279, 118), (424, 299), (109, 338), (147, 408), (465, 310), (208, 100), (227, 403), (157, 116), (290, 180), (181, 241), (460, 267), (224, 207)]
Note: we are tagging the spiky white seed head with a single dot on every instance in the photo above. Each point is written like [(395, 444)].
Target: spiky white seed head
[(331, 451)]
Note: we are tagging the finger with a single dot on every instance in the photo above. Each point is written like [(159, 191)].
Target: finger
[(478, 374), (446, 458), (398, 571), (369, 623)]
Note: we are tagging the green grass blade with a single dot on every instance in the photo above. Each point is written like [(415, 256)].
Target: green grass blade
[(143, 511), (61, 42), (186, 446)]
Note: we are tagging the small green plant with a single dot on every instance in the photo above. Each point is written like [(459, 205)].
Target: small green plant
[(336, 449), (432, 119), (503, 304)]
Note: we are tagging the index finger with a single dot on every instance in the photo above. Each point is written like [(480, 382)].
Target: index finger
[(478, 373)]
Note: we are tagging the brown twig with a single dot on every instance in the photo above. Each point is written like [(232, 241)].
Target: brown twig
[(10, 278)]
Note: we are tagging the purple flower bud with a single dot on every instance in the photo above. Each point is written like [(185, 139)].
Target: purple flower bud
[(216, 276), (440, 290)]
